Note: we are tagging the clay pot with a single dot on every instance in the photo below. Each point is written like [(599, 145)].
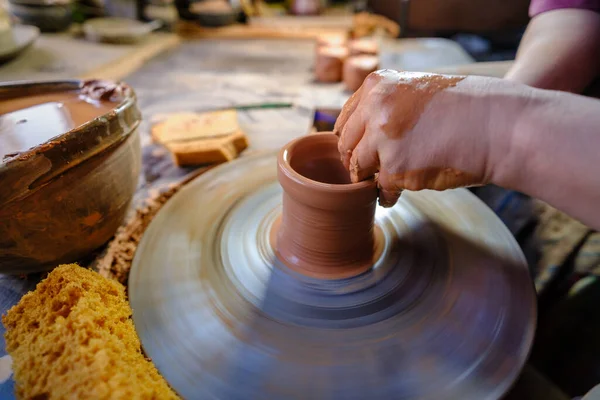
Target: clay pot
[(331, 40), (66, 197), (363, 47), (329, 63), (356, 69), (327, 222)]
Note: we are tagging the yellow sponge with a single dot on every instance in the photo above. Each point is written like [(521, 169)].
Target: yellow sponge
[(73, 337)]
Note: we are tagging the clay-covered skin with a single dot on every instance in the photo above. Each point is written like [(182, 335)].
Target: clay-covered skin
[(422, 131), (435, 178), (356, 70), (329, 63), (327, 223)]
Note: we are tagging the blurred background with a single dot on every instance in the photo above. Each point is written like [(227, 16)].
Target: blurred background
[(279, 65), (489, 30)]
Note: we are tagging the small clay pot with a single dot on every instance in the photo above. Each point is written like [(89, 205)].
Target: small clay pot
[(356, 69), (67, 196), (329, 64), (331, 40), (327, 223), (363, 47)]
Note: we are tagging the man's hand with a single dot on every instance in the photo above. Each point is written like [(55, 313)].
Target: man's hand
[(424, 131)]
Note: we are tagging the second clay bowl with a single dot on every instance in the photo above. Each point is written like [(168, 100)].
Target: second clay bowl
[(67, 194)]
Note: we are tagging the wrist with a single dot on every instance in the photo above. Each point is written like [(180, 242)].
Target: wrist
[(510, 135)]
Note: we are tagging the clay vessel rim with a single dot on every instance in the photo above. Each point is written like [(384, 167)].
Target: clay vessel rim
[(24, 88), (286, 168), (114, 127)]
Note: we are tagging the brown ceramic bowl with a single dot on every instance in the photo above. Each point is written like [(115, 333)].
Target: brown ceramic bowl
[(67, 196)]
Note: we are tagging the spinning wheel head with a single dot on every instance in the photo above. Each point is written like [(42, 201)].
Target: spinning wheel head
[(443, 308)]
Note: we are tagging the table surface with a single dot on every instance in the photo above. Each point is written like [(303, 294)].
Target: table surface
[(67, 56), (204, 75)]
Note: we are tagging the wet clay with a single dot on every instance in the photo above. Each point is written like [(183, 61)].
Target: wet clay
[(329, 63), (31, 120), (413, 91), (327, 224), (356, 70), (434, 178)]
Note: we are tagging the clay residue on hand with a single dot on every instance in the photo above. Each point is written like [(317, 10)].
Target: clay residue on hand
[(414, 91), (435, 178)]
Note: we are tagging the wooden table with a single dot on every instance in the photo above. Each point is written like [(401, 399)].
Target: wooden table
[(203, 75)]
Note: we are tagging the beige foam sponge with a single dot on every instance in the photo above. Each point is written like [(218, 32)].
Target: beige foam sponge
[(201, 138), (73, 338)]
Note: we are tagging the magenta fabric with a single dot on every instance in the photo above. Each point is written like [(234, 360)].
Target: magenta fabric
[(539, 6)]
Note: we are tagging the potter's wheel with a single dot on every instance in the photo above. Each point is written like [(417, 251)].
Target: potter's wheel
[(447, 313)]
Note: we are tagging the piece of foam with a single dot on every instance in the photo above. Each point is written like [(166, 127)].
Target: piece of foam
[(201, 138), (73, 338)]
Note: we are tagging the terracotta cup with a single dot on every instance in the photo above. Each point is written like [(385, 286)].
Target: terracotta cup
[(329, 63), (356, 69), (327, 223)]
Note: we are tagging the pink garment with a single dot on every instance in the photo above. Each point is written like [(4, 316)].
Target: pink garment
[(539, 6)]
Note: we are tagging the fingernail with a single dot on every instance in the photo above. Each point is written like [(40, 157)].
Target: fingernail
[(346, 157), (388, 199)]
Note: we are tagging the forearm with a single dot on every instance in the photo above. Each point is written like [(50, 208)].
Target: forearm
[(553, 153), (559, 51)]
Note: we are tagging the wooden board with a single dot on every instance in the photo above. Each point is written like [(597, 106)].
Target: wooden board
[(128, 63), (190, 30), (63, 56), (293, 27)]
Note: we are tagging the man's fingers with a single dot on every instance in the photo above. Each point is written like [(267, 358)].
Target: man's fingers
[(364, 162), (350, 136), (388, 190), (346, 112)]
